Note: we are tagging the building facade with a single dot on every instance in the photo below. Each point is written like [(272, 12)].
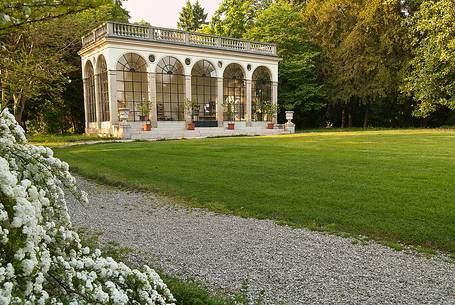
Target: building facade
[(135, 75)]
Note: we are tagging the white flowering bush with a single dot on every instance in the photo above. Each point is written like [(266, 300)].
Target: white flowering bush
[(42, 260)]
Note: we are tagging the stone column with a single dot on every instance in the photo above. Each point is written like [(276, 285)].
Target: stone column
[(85, 103), (113, 107), (97, 101), (187, 115), (152, 99), (248, 103), (275, 98), (219, 104)]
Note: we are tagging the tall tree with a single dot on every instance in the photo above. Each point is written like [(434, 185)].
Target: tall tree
[(234, 17), (39, 61), (16, 13), (431, 72), (192, 17), (283, 24), (362, 43)]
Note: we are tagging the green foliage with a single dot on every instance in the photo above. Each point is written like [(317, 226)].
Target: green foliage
[(234, 17), (229, 107), (41, 73), (282, 24), (362, 45), (17, 13), (192, 17), (430, 76)]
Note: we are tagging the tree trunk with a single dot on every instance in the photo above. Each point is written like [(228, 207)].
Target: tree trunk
[(342, 117), (19, 105), (365, 115), (350, 118)]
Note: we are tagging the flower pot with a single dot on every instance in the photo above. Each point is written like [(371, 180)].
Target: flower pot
[(147, 127), (270, 125), (190, 126), (231, 126)]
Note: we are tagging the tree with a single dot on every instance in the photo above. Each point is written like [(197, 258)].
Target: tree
[(192, 17), (283, 24), (362, 46), (234, 17), (40, 63), (16, 13), (431, 72)]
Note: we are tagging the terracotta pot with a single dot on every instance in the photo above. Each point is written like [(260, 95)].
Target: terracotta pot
[(190, 126), (270, 125), (231, 126), (147, 127)]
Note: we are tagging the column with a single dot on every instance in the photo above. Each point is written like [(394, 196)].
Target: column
[(85, 103), (113, 107), (97, 101), (248, 103), (219, 104), (187, 113), (152, 100), (275, 98)]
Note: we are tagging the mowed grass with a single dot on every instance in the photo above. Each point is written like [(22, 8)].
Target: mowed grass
[(392, 186), (60, 140)]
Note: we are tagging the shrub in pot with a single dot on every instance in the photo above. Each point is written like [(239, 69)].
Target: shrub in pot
[(144, 108), (270, 110), (190, 108), (229, 109)]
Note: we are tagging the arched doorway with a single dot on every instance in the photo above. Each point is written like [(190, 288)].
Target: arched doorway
[(204, 93), (234, 86), (89, 83), (103, 88), (132, 86), (261, 92), (170, 89)]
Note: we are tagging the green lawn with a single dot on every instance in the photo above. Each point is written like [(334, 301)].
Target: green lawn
[(59, 140), (393, 186)]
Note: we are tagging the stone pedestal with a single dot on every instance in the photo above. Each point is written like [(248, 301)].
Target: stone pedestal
[(289, 126)]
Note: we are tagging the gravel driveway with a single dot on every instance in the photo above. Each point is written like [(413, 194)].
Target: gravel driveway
[(293, 266)]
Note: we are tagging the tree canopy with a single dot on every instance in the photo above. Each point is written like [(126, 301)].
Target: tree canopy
[(282, 24), (192, 17), (39, 63), (343, 62), (431, 71), (234, 17)]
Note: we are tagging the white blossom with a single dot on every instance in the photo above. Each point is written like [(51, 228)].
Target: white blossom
[(52, 267)]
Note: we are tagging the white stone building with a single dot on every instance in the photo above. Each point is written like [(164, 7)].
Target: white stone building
[(137, 74)]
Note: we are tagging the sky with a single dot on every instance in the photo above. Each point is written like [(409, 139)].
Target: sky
[(163, 13)]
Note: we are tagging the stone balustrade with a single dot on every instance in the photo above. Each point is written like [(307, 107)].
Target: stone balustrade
[(157, 34)]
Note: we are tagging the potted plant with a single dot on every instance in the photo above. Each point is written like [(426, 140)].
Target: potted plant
[(229, 109), (189, 107), (270, 110), (258, 115), (144, 108)]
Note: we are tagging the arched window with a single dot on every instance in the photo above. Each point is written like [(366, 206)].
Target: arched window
[(89, 83), (261, 92), (103, 88), (234, 85), (132, 86), (170, 89), (203, 90)]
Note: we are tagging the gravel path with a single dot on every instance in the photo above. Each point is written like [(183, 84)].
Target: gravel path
[(293, 266)]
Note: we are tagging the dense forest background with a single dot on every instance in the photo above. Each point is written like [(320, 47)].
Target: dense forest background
[(345, 63)]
